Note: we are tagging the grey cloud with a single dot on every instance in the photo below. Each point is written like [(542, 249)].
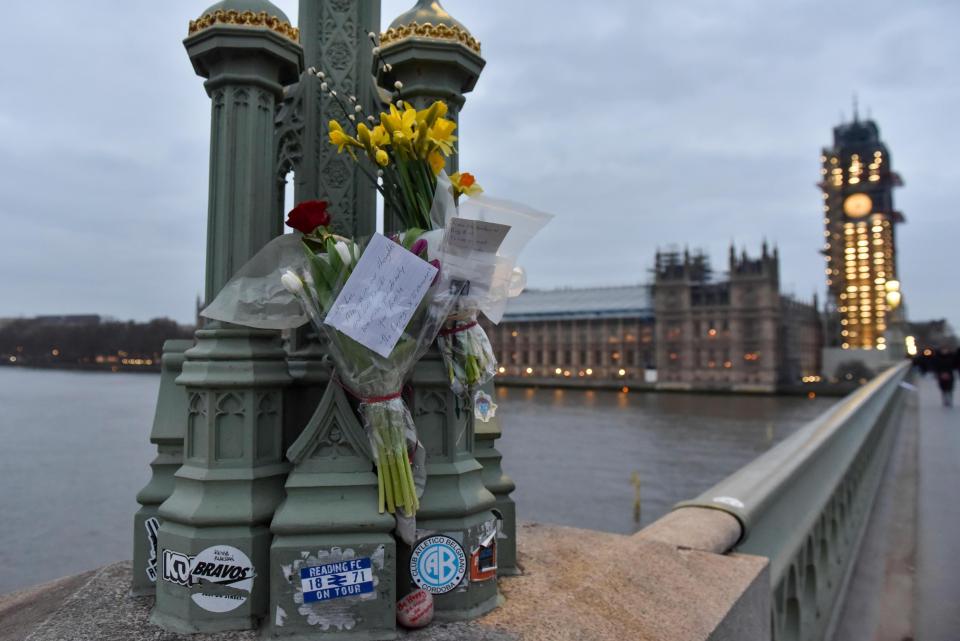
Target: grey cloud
[(640, 124)]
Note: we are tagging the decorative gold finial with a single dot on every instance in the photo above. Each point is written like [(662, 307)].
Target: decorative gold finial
[(428, 19), (232, 17)]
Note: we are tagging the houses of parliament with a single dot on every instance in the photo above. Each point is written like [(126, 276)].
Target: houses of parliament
[(687, 329)]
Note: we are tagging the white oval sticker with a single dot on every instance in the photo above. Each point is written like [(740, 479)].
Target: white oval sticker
[(729, 500)]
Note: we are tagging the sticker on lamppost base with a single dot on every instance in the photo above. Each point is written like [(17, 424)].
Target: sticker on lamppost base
[(336, 580), (221, 577), (483, 560), (152, 525), (438, 564), (483, 406)]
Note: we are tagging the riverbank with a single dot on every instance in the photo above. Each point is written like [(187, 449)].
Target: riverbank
[(831, 390), (110, 368)]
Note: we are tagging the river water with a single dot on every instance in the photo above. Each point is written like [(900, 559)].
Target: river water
[(74, 451)]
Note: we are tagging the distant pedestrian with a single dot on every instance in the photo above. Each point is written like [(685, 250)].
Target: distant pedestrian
[(944, 362)]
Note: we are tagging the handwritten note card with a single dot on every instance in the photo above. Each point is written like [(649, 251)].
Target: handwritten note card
[(379, 298), (476, 235)]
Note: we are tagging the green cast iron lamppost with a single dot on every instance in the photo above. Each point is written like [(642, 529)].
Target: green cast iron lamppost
[(270, 484)]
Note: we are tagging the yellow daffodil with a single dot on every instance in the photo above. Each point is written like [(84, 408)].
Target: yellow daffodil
[(339, 138), (397, 121), (379, 136), (382, 157), (402, 143), (437, 162), (464, 183), (441, 134), (429, 115), (363, 135)]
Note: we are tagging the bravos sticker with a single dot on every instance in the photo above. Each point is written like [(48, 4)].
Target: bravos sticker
[(220, 577), (336, 580), (438, 564), (152, 525)]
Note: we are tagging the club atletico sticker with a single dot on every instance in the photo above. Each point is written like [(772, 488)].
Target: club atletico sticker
[(438, 564)]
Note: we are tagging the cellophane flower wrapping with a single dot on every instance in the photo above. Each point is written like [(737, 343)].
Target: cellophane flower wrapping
[(468, 356), (489, 279)]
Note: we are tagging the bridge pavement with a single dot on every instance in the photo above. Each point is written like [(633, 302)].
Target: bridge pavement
[(938, 517), (906, 583)]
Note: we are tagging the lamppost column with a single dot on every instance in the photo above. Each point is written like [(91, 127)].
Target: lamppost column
[(213, 543)]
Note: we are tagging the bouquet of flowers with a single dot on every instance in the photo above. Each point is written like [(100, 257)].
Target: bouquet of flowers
[(368, 363), (404, 153), (379, 304)]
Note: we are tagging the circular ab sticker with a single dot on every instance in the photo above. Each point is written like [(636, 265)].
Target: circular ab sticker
[(438, 564)]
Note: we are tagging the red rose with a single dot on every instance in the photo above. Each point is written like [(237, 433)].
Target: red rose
[(309, 215)]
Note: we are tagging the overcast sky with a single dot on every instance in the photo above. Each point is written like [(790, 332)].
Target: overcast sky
[(639, 124)]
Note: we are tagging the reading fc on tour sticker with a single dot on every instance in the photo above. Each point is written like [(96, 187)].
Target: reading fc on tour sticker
[(438, 564), (221, 577), (336, 580)]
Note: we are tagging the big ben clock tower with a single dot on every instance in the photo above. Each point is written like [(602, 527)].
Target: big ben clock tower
[(857, 180)]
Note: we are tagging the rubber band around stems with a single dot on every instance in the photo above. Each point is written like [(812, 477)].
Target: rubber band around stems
[(370, 399), (457, 330)]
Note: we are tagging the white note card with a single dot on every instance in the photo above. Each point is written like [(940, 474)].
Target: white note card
[(476, 235), (379, 298)]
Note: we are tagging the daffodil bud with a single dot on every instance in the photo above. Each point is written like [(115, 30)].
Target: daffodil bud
[(344, 252), (292, 283)]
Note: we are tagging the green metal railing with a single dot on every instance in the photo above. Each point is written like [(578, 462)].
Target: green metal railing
[(804, 504)]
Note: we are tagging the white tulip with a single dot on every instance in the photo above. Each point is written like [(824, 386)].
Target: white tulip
[(344, 252), (292, 283)]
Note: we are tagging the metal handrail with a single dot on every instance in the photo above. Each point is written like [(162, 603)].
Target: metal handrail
[(779, 497)]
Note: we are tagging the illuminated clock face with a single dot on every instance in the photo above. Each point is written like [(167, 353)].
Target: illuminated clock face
[(857, 205)]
